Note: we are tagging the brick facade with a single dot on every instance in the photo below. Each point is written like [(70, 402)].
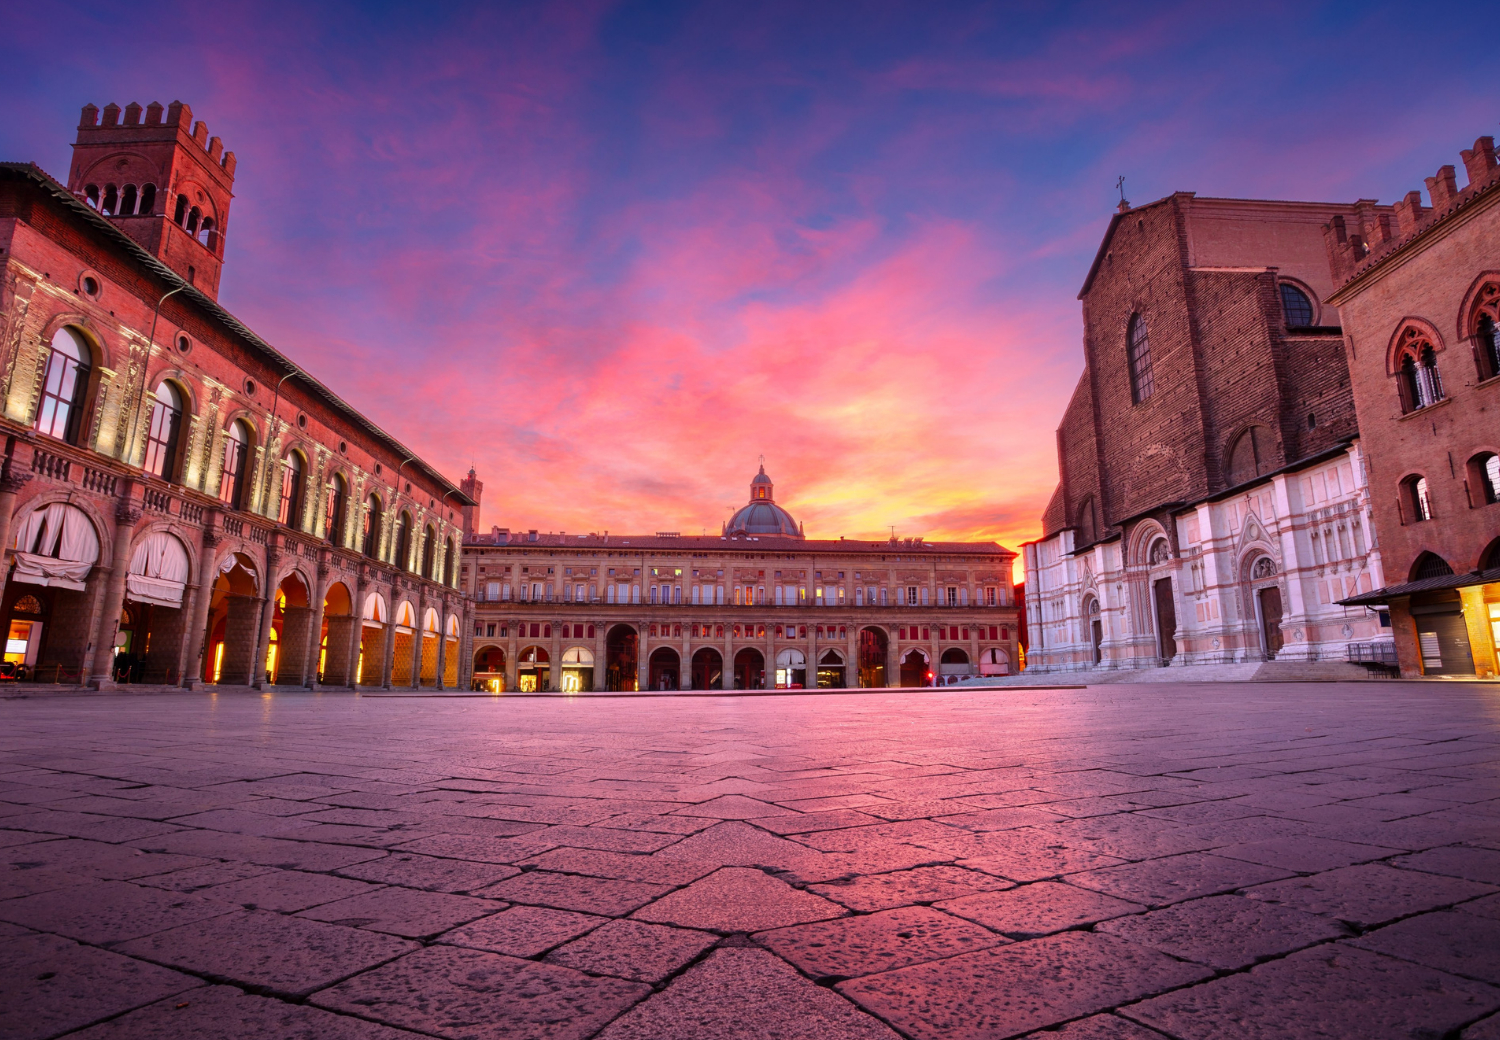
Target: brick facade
[(1426, 277), (163, 383), (1168, 501)]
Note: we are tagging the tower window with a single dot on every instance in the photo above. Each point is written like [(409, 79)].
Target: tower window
[(1296, 306), (1142, 384), (1419, 381), (1418, 503)]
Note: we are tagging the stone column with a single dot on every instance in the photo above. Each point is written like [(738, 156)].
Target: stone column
[(268, 587), (357, 636), (685, 669), (642, 657), (466, 647), (419, 636), (601, 655), (314, 641), (388, 656), (726, 671), (197, 632), (11, 482), (442, 654), (768, 674), (892, 659), (554, 662), (127, 515), (512, 647)]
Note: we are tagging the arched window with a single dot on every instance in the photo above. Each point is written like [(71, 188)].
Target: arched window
[(293, 480), (429, 548), (1249, 457), (1484, 478), (450, 565), (1296, 306), (402, 542), (111, 200), (1141, 382), (1420, 383), (333, 519), (181, 215), (148, 200), (1430, 565), (191, 227), (127, 201), (206, 232), (1416, 504), (91, 193), (165, 433), (236, 459), (65, 386), (370, 536)]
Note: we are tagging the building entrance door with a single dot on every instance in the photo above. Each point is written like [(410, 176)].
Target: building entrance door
[(1097, 636), (1166, 620), (1270, 619)]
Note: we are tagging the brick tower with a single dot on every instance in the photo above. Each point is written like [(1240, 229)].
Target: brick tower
[(472, 487), (166, 187)]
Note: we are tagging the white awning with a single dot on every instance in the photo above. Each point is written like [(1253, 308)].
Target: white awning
[(158, 571), (56, 546)]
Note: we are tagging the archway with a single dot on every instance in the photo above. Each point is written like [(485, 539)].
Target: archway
[(56, 548), (533, 669), (954, 665), (994, 661), (831, 670), (577, 669), (153, 617), (489, 669), (451, 648), (286, 653), (233, 623), (749, 669), (914, 668), (431, 633), (620, 665), (406, 636), (374, 619), (874, 647), (708, 669), (791, 669), (336, 637), (665, 668)]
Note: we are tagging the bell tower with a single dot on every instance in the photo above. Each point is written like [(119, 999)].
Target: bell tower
[(162, 181), (473, 487)]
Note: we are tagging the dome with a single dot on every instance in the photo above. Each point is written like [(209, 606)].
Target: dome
[(762, 516)]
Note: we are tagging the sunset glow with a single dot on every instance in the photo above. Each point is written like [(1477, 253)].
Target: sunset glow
[(610, 254)]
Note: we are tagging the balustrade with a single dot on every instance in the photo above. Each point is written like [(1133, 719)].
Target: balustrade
[(50, 465)]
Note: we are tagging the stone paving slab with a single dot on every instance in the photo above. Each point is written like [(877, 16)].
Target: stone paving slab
[(1038, 909), (1335, 992), (226, 1013), (286, 956), (852, 946), (742, 994), (1015, 989), (1256, 860), (472, 995), (49, 986), (633, 950)]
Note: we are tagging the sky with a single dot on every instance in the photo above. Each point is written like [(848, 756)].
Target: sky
[(612, 253)]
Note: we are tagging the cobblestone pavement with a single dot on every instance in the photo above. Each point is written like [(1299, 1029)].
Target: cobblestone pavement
[(1110, 863)]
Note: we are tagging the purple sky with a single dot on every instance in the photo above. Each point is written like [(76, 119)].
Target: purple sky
[(611, 253)]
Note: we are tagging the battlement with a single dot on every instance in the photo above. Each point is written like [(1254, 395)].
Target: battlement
[(1352, 250), (178, 116)]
